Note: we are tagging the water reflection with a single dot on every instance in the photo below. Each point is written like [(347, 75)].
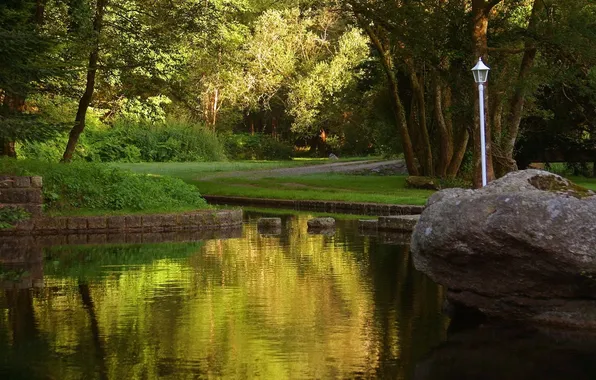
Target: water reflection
[(292, 305), (501, 352)]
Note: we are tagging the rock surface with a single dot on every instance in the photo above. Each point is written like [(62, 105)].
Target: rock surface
[(321, 223), (524, 247)]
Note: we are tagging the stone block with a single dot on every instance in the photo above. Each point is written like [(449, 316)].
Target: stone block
[(22, 182), (398, 223), (77, 223), (97, 223), (6, 182), (116, 222), (45, 224), (134, 222), (321, 223), (35, 196), (185, 220), (36, 182), (170, 220), (151, 221)]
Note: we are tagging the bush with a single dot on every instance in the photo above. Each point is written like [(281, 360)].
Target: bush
[(256, 147), (91, 186), (170, 141), (130, 139)]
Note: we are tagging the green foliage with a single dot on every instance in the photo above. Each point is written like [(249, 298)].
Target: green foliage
[(131, 139), (140, 140), (58, 110), (89, 262), (10, 215), (90, 186), (257, 147)]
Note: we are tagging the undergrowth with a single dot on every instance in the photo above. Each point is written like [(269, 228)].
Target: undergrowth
[(90, 186)]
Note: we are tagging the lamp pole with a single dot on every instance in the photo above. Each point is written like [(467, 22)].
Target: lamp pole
[(480, 72), (482, 132)]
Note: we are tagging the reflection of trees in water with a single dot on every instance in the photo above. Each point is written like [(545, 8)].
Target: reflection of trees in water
[(299, 305), (94, 326), (24, 345)]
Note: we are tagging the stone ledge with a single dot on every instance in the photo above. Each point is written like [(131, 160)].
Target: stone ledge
[(404, 223), (356, 208), (189, 221), (20, 248)]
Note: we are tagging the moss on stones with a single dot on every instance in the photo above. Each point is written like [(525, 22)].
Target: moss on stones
[(560, 185)]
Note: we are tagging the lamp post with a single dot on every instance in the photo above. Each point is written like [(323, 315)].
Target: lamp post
[(480, 72)]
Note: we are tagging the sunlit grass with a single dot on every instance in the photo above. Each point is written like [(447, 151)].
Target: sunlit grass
[(328, 187), (189, 171), (589, 183)]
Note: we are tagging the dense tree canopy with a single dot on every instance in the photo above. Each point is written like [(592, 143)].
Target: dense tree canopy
[(349, 76)]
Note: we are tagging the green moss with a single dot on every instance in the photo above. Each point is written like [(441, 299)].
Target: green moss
[(560, 185)]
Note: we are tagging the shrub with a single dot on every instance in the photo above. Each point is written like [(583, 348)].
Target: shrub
[(257, 147), (170, 141), (10, 215), (91, 186)]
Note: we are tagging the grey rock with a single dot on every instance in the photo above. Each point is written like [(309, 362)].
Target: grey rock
[(321, 223), (333, 157), (404, 223), (523, 247)]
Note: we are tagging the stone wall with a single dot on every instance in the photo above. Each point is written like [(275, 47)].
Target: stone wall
[(22, 192), (202, 219), (333, 207)]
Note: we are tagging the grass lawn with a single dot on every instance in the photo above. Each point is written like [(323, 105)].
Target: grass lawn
[(189, 171), (589, 183), (331, 186)]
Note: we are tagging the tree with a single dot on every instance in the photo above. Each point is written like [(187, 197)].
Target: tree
[(25, 53), (138, 39)]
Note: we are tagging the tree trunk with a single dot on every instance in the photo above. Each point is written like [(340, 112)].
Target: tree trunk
[(398, 107), (14, 104), (445, 135), (85, 100), (424, 149), (517, 103), (461, 145)]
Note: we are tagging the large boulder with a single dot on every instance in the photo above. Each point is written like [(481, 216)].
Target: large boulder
[(524, 247)]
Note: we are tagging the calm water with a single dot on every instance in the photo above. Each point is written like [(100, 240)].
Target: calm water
[(293, 306)]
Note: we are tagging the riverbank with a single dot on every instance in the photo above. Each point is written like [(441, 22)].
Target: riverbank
[(330, 207)]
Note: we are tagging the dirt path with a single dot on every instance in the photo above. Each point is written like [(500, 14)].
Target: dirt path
[(335, 167)]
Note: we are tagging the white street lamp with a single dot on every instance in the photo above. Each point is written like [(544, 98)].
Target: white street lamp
[(480, 72)]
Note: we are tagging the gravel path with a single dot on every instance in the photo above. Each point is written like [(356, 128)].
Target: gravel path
[(335, 167)]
